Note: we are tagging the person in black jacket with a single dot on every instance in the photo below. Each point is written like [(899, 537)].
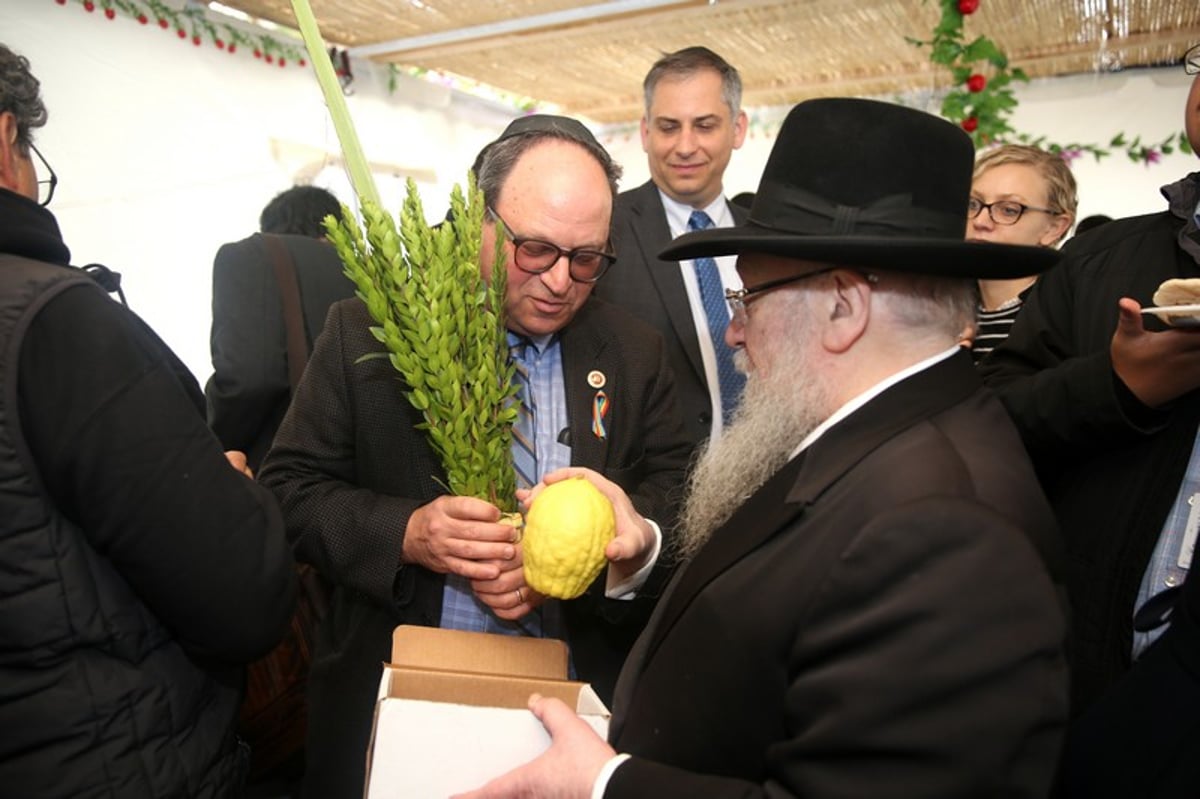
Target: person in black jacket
[(1108, 403), (141, 572), (868, 609), (249, 390)]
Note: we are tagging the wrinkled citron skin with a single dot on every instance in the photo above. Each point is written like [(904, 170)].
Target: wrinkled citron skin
[(566, 530)]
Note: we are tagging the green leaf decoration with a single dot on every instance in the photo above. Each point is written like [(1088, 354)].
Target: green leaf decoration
[(985, 114)]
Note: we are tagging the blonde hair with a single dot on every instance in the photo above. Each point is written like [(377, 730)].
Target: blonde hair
[(1061, 191)]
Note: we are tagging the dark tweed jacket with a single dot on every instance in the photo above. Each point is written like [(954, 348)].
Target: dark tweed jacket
[(349, 469)]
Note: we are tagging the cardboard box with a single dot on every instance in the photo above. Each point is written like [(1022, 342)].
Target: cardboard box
[(453, 713)]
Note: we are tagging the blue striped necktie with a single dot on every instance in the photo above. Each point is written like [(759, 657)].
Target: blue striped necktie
[(716, 312), (524, 448)]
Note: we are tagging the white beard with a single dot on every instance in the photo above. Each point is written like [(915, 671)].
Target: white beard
[(775, 415)]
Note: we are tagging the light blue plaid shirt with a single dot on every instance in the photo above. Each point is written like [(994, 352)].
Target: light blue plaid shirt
[(1163, 571), (544, 361)]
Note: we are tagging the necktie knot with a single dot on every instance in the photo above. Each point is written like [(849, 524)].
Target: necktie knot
[(518, 347), (699, 220)]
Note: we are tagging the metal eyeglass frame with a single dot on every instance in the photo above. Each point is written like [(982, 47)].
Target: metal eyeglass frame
[(738, 299), (53, 180)]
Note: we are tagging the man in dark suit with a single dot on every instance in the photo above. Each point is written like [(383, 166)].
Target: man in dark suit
[(1108, 402), (249, 390), (362, 489), (693, 123), (877, 616)]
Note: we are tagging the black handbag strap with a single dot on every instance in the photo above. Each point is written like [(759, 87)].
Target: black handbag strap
[(293, 316)]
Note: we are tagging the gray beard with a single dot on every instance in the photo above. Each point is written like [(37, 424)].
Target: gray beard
[(776, 413)]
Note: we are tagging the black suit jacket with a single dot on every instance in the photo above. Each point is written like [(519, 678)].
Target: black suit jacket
[(1142, 738), (877, 620), (249, 390), (652, 290), (1112, 468), (349, 468)]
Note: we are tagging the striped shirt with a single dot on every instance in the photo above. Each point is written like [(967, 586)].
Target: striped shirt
[(992, 327)]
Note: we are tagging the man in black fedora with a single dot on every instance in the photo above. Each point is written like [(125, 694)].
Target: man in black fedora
[(868, 606)]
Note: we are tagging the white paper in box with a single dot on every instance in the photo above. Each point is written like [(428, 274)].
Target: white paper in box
[(452, 710)]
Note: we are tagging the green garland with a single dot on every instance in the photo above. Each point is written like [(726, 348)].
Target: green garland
[(191, 22), (982, 105)]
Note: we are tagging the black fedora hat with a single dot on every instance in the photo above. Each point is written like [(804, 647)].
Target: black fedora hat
[(867, 183)]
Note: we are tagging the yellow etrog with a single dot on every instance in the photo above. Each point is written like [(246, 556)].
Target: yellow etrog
[(566, 530)]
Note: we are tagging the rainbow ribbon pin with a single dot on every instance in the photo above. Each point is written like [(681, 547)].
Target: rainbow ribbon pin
[(599, 411)]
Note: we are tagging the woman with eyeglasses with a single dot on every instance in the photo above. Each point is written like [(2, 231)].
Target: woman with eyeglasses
[(1019, 195)]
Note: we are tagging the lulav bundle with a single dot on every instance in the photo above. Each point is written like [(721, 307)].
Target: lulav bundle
[(442, 326)]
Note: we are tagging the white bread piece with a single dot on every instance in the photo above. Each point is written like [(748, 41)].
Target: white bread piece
[(1178, 291)]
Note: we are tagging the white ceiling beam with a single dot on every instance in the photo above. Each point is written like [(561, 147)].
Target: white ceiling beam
[(517, 25)]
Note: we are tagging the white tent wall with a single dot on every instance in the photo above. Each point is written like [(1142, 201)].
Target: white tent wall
[(165, 151)]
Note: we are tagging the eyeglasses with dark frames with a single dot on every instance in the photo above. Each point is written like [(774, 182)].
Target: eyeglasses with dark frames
[(1004, 212), (1191, 60), (535, 256), (738, 299), (45, 195)]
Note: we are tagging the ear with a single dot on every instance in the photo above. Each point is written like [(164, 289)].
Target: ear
[(1055, 231), (9, 151), (739, 129), (849, 310), (645, 127)]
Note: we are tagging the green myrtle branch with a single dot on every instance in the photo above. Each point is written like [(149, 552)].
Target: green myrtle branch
[(442, 327)]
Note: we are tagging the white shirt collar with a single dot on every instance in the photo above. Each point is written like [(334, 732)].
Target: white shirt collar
[(865, 397), (678, 213)]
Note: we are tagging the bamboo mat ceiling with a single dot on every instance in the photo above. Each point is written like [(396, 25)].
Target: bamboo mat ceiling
[(589, 58)]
